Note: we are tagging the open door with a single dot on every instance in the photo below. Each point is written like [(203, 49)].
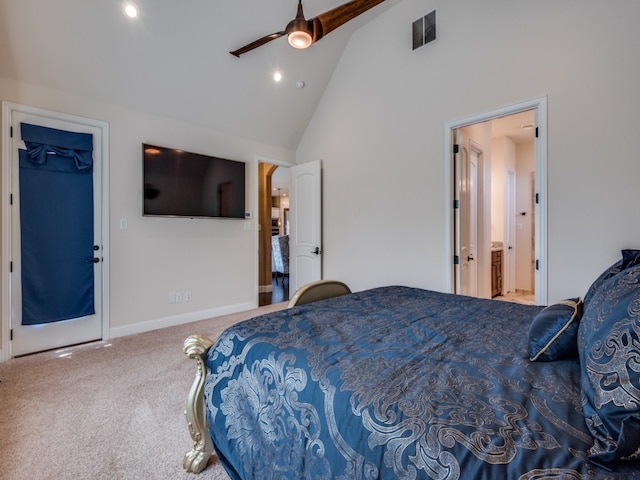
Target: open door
[(465, 206), (305, 243), (510, 243)]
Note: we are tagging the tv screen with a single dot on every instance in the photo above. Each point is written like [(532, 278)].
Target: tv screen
[(184, 184)]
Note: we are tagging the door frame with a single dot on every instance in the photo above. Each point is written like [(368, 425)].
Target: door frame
[(483, 201), (539, 105), (8, 108)]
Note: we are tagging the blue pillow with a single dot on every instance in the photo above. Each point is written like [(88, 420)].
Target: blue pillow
[(553, 333), (630, 258), (604, 276), (609, 349)]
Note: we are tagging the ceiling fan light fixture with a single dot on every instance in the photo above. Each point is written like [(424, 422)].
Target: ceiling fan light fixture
[(300, 39)]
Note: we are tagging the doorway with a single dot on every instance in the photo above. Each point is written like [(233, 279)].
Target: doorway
[(72, 305), (274, 220), (493, 200)]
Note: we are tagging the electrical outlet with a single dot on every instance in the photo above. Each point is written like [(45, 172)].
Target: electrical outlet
[(187, 296), (178, 297), (172, 297)]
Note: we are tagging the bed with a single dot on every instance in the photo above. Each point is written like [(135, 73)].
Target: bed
[(399, 382)]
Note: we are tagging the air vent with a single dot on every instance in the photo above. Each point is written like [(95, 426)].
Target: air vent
[(424, 30)]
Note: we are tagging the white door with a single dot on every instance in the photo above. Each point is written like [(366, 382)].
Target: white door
[(305, 210), (510, 232), (33, 338), (472, 258), (466, 217)]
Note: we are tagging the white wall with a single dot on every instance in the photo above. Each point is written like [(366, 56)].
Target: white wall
[(379, 130), (214, 259)]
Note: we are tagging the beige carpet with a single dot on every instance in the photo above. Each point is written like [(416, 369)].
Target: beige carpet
[(106, 410)]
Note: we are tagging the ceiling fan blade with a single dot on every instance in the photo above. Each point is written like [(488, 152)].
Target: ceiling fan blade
[(257, 43), (328, 21)]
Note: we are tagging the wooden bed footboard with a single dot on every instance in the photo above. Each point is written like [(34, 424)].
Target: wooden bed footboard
[(196, 459)]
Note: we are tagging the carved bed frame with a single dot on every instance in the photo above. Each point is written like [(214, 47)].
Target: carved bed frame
[(195, 460)]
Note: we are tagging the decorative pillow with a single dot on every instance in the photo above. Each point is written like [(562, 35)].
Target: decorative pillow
[(604, 276), (630, 258), (609, 349), (553, 334)]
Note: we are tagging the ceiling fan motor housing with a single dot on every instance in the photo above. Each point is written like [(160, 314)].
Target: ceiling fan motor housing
[(299, 30)]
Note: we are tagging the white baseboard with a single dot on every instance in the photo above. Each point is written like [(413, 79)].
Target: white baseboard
[(175, 320)]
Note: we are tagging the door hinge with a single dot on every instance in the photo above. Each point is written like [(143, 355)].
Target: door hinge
[(11, 199), (11, 334), (456, 148), (10, 267), (11, 131), (536, 132), (456, 260), (537, 264), (537, 198), (456, 204)]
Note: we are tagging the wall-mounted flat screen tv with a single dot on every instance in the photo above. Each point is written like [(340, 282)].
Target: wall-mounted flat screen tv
[(184, 184)]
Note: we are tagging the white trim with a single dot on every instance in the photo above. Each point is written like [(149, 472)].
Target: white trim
[(8, 108), (540, 106), (540, 180), (175, 320), (5, 353)]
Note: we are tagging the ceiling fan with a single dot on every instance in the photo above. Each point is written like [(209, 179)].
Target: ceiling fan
[(302, 33)]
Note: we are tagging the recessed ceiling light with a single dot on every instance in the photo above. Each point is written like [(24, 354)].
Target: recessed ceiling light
[(277, 76), (130, 10)]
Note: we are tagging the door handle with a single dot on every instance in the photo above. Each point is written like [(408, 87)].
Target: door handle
[(96, 260), (317, 251), (470, 258)]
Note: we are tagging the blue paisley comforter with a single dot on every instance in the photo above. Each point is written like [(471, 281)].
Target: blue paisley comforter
[(394, 383)]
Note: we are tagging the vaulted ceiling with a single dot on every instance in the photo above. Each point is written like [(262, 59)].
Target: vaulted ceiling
[(173, 59)]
